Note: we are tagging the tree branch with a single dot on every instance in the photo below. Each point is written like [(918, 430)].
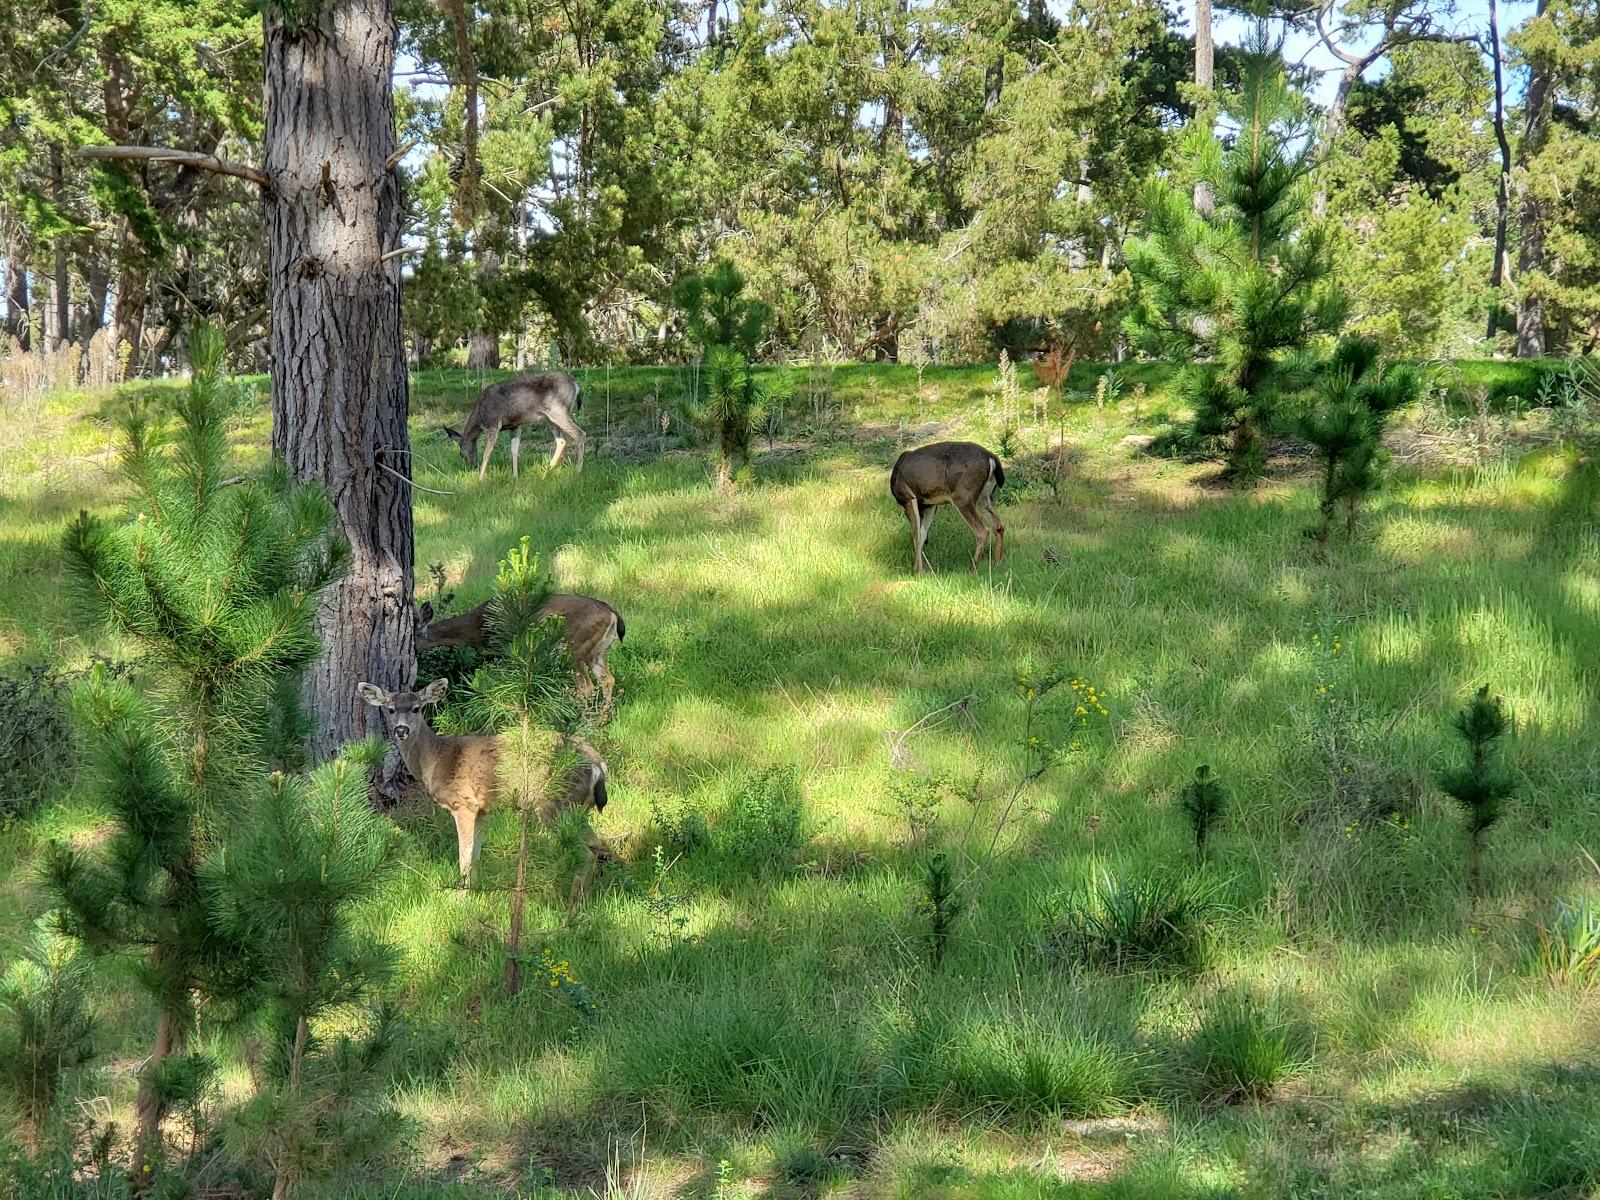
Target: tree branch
[(189, 158)]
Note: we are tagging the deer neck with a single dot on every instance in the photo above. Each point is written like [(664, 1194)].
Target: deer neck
[(419, 749)]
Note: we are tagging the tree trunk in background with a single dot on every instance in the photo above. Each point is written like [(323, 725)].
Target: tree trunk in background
[(94, 314), (483, 346), (339, 384), (1204, 70), (16, 318), (1497, 273), (1530, 255), (62, 286)]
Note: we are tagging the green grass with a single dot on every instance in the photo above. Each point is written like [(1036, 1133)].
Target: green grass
[(790, 1025)]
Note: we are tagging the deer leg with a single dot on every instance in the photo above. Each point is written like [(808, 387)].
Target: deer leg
[(516, 449), (608, 684), (929, 512), (567, 431), (488, 449), (969, 514), (999, 526), (468, 838)]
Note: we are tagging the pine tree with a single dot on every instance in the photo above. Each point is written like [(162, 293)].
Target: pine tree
[(528, 695), (727, 326), (216, 577), (48, 1028), (1344, 418), (282, 891), (1483, 785), (1203, 800), (1236, 293)]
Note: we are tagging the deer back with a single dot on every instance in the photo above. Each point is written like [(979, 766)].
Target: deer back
[(523, 400), (463, 629), (944, 472)]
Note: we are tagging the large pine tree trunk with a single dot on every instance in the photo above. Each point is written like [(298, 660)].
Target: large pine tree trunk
[(1530, 255), (339, 386)]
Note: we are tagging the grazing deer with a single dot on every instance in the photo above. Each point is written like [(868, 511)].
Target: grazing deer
[(516, 403), (462, 774), (960, 473), (588, 626)]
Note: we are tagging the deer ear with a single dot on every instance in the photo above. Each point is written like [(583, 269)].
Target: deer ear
[(425, 613), (435, 691), (374, 696), (453, 434)]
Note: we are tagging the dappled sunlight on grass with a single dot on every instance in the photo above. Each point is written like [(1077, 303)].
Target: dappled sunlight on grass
[(776, 1025)]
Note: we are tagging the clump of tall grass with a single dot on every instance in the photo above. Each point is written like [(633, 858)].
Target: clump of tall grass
[(1246, 1047), (1123, 923), (1568, 944), (1018, 1065)]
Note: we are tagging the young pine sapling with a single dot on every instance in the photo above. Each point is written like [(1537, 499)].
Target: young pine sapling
[(1203, 799), (1483, 785)]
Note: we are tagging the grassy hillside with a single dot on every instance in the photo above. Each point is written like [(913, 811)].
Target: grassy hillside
[(804, 725)]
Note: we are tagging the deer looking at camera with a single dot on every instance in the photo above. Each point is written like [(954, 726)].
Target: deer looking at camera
[(462, 773), (960, 473), (515, 404), (589, 627)]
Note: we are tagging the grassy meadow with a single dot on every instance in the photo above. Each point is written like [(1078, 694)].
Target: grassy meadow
[(804, 727)]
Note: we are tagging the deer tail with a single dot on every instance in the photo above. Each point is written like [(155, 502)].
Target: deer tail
[(577, 395), (622, 626), (997, 471)]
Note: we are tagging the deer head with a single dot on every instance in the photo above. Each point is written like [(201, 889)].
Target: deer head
[(404, 710)]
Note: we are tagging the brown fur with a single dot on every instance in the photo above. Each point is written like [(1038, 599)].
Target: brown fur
[(515, 404), (964, 474), (589, 627), (462, 773)]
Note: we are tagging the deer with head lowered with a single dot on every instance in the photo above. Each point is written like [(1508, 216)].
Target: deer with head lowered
[(515, 404), (462, 773), (589, 627), (964, 474)]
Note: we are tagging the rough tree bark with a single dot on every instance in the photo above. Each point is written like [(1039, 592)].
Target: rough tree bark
[(1530, 254), (17, 324), (1205, 60), (339, 386), (61, 287), (1497, 273)]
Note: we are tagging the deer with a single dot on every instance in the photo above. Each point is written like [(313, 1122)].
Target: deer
[(462, 773), (589, 627), (964, 474), (515, 404)]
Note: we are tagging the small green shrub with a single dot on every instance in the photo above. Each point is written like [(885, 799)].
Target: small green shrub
[(764, 826), (1245, 1048), (37, 749), (1123, 923), (680, 825)]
